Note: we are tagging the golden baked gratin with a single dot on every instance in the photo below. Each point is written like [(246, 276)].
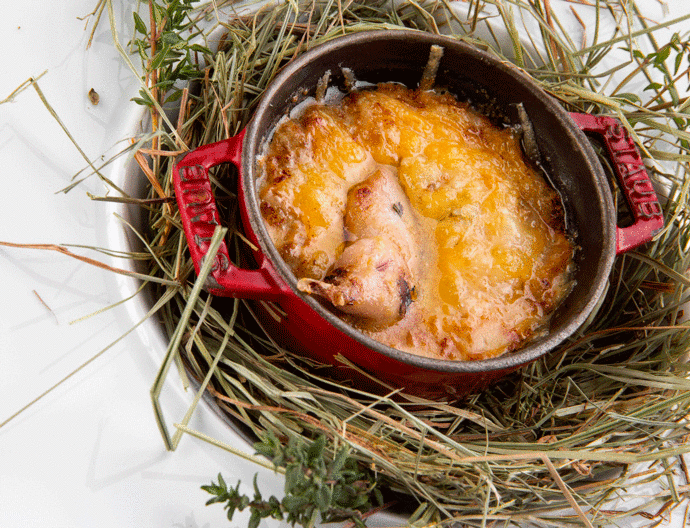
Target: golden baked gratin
[(417, 220)]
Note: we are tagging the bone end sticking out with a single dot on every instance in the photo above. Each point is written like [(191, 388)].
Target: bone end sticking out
[(431, 68), (371, 281)]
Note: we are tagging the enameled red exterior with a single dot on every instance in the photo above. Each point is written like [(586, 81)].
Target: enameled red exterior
[(310, 329), (632, 177)]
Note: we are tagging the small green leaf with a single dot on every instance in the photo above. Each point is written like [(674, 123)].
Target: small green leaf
[(678, 62), (275, 509), (338, 464), (316, 449), (340, 496), (629, 97), (170, 38), (254, 520), (378, 497), (158, 12), (359, 501), (159, 58), (214, 500), (322, 498), (293, 503), (264, 450), (199, 48), (139, 24), (142, 48), (294, 478), (662, 55), (174, 96), (257, 493)]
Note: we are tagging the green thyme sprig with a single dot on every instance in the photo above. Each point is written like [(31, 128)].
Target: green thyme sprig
[(168, 48), (315, 486)]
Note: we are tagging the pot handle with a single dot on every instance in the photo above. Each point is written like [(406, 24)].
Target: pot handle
[(199, 215), (632, 177)]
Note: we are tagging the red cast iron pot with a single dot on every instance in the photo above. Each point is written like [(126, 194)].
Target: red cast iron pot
[(494, 87)]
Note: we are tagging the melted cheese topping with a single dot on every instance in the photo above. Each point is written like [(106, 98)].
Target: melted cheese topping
[(492, 258)]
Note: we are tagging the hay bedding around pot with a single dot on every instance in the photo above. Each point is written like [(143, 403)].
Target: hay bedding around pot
[(573, 431)]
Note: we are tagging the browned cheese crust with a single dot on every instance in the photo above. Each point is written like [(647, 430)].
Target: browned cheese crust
[(418, 221)]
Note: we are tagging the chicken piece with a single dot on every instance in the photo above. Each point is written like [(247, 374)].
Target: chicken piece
[(370, 280), (374, 279), (379, 207)]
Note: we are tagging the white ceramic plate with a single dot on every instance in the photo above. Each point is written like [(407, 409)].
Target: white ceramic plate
[(89, 453)]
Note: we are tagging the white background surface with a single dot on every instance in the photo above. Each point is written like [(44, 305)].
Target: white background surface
[(89, 454)]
